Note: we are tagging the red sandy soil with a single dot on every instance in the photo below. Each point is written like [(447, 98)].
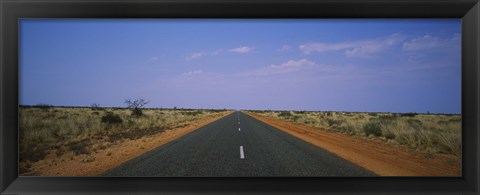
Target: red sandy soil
[(374, 155), (113, 156)]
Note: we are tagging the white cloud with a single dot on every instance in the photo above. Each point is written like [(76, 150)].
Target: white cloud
[(429, 41), (218, 52), (243, 49), (322, 47), (361, 48), (287, 67), (293, 64), (196, 72), (202, 54), (195, 55), (423, 42)]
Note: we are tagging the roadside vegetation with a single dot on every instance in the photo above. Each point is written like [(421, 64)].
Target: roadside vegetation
[(434, 133), (81, 131)]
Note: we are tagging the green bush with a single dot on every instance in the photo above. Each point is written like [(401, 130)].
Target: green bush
[(373, 127), (285, 114), (111, 118)]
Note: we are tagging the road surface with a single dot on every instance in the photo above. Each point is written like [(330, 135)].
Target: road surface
[(236, 146)]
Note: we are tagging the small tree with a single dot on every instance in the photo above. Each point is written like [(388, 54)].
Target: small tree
[(95, 106), (135, 105)]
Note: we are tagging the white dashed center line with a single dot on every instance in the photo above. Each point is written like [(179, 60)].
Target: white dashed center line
[(239, 129), (241, 153)]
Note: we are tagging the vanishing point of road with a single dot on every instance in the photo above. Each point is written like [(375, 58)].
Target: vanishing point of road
[(238, 145)]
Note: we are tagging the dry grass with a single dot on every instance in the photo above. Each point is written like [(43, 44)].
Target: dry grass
[(81, 131), (436, 133)]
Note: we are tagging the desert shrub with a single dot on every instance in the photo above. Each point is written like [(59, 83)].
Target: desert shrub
[(137, 112), (332, 122), (285, 114), (410, 114), (415, 123), (48, 116), (96, 107), (295, 118), (388, 134), (62, 117), (111, 118), (442, 122), (308, 122), (348, 129), (195, 113), (32, 150), (136, 105), (359, 117), (455, 120), (44, 106), (79, 147), (216, 111), (88, 158), (387, 119), (59, 151), (373, 127), (450, 143), (372, 114)]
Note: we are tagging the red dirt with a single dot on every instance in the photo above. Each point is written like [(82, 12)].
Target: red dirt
[(374, 155)]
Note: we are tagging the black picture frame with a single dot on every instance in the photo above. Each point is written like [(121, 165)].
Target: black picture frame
[(12, 10)]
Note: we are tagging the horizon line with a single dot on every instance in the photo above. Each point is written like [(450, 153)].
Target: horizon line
[(271, 110)]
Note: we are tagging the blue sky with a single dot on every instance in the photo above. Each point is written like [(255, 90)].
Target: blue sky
[(343, 65)]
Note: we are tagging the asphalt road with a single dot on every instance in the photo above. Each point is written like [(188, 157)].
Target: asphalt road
[(236, 146)]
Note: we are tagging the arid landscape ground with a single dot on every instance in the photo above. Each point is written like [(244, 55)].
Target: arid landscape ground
[(55, 139), (380, 153), (94, 140)]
